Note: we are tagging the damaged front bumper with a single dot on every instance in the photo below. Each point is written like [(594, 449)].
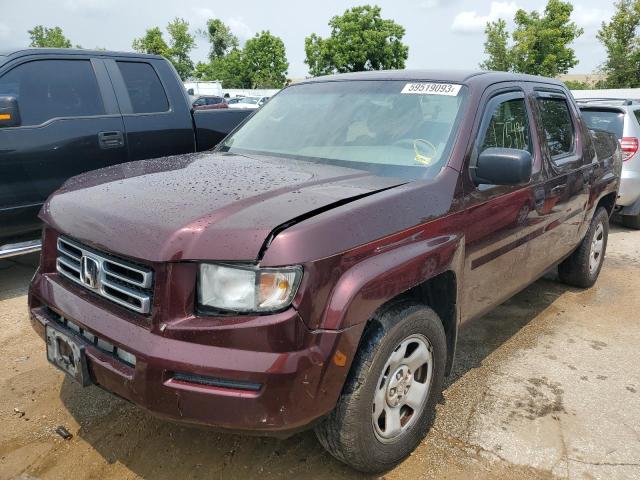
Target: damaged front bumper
[(272, 392)]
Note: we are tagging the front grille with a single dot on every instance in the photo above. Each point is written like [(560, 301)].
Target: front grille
[(117, 280)]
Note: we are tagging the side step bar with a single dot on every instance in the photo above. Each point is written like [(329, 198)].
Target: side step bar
[(22, 248)]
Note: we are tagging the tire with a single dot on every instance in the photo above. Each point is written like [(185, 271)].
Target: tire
[(631, 221), (582, 268), (400, 333)]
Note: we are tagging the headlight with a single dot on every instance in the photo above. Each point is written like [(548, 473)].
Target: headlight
[(247, 289)]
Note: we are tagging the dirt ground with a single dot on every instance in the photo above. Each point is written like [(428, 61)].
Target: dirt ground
[(546, 386)]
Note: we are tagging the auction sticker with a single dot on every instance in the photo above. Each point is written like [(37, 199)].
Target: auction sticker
[(450, 89)]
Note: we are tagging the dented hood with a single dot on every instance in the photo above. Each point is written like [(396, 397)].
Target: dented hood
[(206, 206)]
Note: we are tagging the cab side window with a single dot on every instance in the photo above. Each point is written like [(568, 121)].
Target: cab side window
[(557, 125), (508, 127), (144, 87), (48, 89)]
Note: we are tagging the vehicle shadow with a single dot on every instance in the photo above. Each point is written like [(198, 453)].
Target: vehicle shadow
[(481, 337), (15, 275), (154, 448)]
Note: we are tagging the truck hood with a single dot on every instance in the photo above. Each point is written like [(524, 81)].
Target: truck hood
[(206, 206)]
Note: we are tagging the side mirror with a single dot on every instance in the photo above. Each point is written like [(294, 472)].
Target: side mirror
[(503, 166), (9, 112)]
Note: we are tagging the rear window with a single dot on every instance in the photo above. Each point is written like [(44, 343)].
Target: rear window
[(608, 120), (145, 89)]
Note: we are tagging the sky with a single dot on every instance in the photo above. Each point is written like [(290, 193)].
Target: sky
[(440, 33)]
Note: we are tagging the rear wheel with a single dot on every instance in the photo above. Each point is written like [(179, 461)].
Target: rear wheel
[(393, 386), (582, 268)]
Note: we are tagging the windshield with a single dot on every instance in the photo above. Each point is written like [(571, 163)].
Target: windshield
[(252, 100), (390, 128)]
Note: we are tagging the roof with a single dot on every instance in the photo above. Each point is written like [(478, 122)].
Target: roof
[(592, 102), (73, 51), (454, 76)]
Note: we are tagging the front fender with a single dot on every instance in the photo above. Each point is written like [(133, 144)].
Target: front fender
[(392, 270)]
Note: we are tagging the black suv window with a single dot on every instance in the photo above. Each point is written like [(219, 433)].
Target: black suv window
[(557, 124), (48, 89), (508, 127), (145, 90)]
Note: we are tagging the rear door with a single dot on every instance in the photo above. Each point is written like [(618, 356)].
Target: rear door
[(70, 123), (154, 106), (570, 171)]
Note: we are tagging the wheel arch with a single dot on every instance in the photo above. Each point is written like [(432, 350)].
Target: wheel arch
[(608, 202), (426, 272)]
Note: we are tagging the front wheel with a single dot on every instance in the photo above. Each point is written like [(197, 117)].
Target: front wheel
[(583, 267), (392, 389)]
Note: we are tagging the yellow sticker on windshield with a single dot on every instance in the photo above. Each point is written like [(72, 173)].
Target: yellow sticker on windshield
[(449, 89)]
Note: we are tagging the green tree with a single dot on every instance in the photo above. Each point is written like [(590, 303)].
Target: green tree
[(45, 37), (541, 42), (620, 40), (496, 47), (360, 40), (578, 85), (181, 42), (220, 37), (261, 64), (152, 42), (265, 60), (230, 70)]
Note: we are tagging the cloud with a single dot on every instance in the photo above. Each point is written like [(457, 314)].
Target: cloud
[(88, 6), (5, 31), (472, 22), (434, 3), (240, 28), (589, 18), (203, 13)]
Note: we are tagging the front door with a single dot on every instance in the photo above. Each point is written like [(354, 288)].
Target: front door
[(500, 220), (70, 123)]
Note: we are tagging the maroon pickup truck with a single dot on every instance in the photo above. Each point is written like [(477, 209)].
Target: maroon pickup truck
[(316, 268)]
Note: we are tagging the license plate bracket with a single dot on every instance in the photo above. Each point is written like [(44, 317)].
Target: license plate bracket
[(68, 355)]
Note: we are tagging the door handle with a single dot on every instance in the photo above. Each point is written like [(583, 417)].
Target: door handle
[(558, 189), (113, 139)]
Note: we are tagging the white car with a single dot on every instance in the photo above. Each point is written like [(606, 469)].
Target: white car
[(622, 117), (249, 103)]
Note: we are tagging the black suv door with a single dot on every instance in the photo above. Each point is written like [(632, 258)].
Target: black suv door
[(70, 123), (157, 115)]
